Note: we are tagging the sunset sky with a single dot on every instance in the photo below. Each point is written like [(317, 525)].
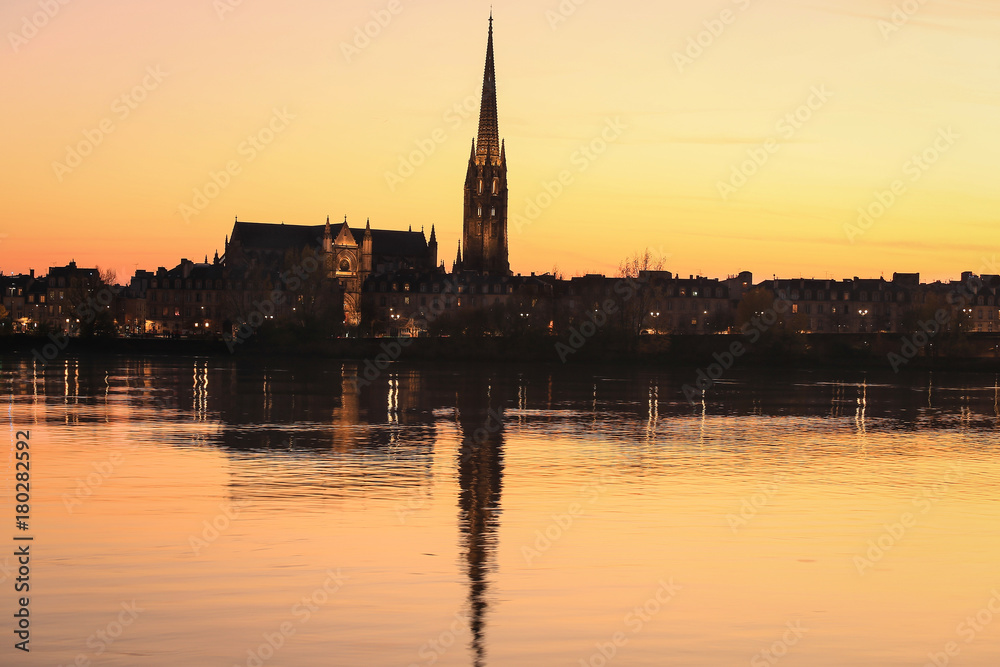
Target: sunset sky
[(672, 96)]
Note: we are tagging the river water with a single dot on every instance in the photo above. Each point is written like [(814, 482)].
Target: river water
[(200, 511)]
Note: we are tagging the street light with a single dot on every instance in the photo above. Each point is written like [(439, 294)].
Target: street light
[(655, 314)]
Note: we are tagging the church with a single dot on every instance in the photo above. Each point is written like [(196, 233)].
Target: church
[(351, 256), (346, 256), (484, 230)]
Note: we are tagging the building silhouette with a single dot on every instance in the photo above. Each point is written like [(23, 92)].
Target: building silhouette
[(337, 258), (484, 228), (336, 278)]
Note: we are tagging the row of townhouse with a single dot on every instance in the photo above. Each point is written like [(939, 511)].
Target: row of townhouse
[(870, 305), (660, 302), (209, 298)]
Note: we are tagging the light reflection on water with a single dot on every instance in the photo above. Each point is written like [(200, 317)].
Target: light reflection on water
[(485, 515)]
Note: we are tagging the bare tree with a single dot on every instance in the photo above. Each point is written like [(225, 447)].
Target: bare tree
[(634, 289)]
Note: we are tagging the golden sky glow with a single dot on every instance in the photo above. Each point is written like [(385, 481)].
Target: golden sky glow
[(883, 88)]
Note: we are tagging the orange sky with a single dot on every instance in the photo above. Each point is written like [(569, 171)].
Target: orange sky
[(199, 77)]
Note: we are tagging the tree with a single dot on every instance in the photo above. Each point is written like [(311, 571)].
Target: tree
[(93, 303), (922, 311), (634, 292)]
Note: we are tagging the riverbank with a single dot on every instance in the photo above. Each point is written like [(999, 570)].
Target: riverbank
[(885, 351)]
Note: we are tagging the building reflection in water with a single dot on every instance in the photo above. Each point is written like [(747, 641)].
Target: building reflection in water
[(316, 437), (480, 406)]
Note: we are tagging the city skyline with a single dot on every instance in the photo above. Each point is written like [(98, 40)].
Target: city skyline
[(699, 153)]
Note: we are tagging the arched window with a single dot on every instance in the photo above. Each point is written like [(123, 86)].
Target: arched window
[(496, 186), (480, 186), (480, 212), (345, 265)]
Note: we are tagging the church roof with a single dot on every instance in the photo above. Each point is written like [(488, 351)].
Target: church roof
[(392, 242), (267, 235), (276, 237)]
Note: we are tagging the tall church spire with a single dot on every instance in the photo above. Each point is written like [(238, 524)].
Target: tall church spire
[(484, 230), (489, 132)]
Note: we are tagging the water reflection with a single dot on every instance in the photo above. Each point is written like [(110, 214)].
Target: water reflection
[(480, 402), (473, 452)]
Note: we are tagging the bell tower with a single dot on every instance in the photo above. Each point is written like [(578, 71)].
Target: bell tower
[(484, 230)]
